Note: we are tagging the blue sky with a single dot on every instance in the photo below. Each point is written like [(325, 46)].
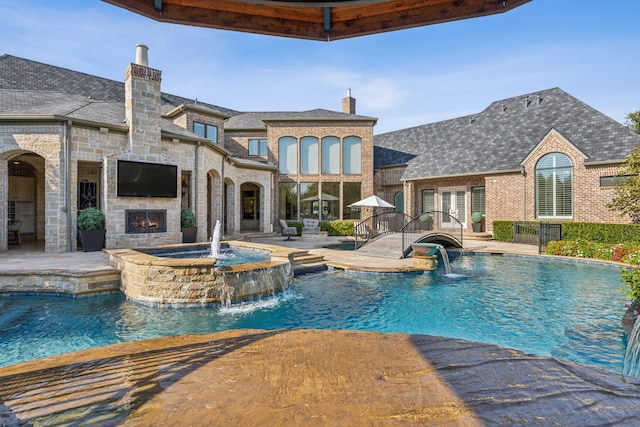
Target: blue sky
[(405, 78)]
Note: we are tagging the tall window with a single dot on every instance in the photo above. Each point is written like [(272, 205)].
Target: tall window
[(428, 201), (330, 155), (478, 200), (288, 155), (209, 132), (309, 200), (288, 201), (352, 155), (330, 200), (398, 201), (258, 147), (309, 155), (554, 186), (351, 192)]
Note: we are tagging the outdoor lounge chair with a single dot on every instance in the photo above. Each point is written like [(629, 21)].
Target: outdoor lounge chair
[(14, 228), (287, 231), (309, 224)]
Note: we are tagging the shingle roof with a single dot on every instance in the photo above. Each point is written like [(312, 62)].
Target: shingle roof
[(255, 120), (23, 74), (501, 136)]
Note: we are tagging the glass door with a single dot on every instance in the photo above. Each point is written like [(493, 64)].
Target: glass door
[(453, 202)]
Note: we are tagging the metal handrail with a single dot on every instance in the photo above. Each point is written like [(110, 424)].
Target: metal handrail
[(368, 229)]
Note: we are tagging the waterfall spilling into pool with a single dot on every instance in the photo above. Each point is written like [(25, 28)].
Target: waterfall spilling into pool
[(200, 275), (215, 240), (632, 355), (445, 259)]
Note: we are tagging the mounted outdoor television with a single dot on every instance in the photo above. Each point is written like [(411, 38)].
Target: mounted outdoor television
[(138, 179)]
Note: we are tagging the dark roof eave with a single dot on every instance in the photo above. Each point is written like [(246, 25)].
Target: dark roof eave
[(613, 162), (321, 119), (58, 118), (199, 108), (494, 172), (257, 166)]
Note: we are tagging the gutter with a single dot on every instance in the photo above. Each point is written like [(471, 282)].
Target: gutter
[(499, 172)]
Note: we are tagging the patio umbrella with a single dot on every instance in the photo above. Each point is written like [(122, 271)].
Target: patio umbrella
[(372, 201)]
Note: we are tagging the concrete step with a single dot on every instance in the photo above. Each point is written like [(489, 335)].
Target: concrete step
[(309, 267), (477, 236), (307, 259)]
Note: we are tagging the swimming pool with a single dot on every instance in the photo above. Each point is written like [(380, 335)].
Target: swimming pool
[(564, 309)]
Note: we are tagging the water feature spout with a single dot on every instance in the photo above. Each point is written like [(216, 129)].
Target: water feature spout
[(445, 259), (215, 240), (631, 365)]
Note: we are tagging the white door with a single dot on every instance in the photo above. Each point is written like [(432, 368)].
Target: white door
[(454, 202)]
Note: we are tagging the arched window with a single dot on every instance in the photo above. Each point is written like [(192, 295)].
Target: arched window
[(398, 200), (288, 155), (330, 155), (309, 155), (554, 186), (352, 155)]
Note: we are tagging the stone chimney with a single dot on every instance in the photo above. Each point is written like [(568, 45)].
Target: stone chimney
[(349, 103), (142, 103)]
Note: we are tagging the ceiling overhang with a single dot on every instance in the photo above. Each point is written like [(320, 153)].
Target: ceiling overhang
[(314, 20)]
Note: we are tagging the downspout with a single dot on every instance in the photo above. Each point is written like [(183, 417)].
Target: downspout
[(223, 202), (195, 180), (67, 180), (524, 194)]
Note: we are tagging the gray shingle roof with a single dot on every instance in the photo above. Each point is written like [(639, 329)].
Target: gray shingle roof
[(23, 74), (501, 136)]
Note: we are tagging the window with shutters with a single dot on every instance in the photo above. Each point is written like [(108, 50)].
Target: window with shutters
[(554, 187)]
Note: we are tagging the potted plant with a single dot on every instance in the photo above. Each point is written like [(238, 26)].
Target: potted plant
[(476, 221), (189, 228), (427, 219), (91, 229)]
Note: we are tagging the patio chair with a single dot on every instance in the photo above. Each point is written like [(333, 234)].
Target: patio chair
[(309, 224), (287, 230), (14, 228)]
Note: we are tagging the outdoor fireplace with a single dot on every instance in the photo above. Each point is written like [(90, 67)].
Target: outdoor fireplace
[(145, 221)]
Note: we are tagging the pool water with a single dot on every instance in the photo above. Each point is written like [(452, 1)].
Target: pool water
[(564, 309)]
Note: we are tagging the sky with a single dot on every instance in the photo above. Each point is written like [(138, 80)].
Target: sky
[(405, 78)]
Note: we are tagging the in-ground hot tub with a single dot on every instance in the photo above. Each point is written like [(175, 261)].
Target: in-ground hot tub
[(152, 278)]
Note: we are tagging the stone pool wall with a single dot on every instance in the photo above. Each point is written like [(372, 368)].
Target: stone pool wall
[(186, 282)]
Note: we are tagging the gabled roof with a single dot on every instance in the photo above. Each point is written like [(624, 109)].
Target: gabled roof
[(500, 137), (256, 120), (23, 74)]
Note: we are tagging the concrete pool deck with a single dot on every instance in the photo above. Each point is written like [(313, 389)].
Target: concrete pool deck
[(305, 377)]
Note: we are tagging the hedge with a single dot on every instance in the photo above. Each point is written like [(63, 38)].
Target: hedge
[(337, 228), (591, 231)]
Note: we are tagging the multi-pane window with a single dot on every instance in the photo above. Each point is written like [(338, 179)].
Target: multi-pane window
[(478, 200), (309, 155), (209, 132), (352, 155), (330, 155), (288, 155), (428, 201), (258, 147), (351, 193), (554, 186)]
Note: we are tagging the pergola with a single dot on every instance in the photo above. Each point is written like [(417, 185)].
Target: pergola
[(315, 20)]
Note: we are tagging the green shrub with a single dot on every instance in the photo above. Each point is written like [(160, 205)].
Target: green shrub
[(503, 231), (91, 219), (337, 228), (187, 218), (602, 233), (477, 217)]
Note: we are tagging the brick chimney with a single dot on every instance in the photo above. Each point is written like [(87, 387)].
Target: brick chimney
[(349, 103), (142, 102)]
